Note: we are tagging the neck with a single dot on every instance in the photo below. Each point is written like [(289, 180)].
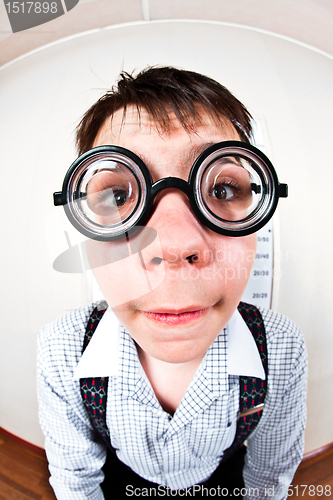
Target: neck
[(168, 380)]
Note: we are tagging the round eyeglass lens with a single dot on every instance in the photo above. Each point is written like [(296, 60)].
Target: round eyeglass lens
[(231, 189), (106, 194)]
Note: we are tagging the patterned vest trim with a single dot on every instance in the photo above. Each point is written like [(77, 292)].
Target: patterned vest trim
[(252, 390)]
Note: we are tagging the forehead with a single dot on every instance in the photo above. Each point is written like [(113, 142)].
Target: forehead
[(164, 152), (136, 122)]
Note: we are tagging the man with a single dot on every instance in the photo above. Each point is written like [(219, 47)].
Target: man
[(166, 192)]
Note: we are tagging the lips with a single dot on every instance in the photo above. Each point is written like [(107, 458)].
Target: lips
[(173, 318)]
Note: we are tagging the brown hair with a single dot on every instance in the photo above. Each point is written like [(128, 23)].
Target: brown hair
[(159, 91)]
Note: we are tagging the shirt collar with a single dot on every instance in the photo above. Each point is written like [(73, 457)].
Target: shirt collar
[(101, 357), (243, 355)]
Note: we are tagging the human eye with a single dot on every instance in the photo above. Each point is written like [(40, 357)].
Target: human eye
[(111, 195), (225, 190), (109, 199)]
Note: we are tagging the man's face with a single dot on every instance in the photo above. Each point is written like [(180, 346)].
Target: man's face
[(205, 273)]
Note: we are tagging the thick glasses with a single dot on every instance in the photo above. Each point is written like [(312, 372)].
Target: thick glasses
[(108, 191)]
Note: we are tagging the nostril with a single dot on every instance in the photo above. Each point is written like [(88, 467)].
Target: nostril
[(192, 258), (156, 260)]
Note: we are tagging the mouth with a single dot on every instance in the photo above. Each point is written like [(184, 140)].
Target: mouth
[(175, 318)]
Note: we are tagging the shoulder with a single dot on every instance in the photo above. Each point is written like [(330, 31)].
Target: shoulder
[(282, 334), (280, 329), (287, 355), (277, 325), (60, 342)]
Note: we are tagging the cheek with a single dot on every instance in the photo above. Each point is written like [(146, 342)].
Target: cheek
[(119, 274), (235, 259)]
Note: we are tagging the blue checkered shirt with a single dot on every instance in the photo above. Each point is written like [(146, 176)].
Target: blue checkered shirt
[(176, 451)]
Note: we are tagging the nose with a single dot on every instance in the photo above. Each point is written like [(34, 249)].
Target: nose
[(183, 241)]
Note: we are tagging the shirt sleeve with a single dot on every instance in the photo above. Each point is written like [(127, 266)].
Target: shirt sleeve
[(275, 448), (75, 456)]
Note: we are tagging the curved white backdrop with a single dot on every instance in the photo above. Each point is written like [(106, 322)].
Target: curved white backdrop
[(287, 86)]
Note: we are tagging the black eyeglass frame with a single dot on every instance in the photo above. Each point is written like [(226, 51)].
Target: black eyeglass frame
[(258, 160)]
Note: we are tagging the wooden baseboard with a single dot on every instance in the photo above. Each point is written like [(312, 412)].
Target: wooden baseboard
[(33, 447), (317, 452)]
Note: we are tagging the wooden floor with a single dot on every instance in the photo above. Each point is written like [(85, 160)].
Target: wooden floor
[(314, 478), (24, 474)]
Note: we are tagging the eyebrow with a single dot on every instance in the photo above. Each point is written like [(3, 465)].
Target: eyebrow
[(194, 153)]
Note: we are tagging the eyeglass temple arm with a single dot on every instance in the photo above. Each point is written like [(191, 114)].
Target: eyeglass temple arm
[(282, 189), (58, 199)]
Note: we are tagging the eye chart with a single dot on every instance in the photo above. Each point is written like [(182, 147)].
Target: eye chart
[(259, 287)]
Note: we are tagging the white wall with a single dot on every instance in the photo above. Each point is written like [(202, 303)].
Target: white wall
[(43, 95)]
